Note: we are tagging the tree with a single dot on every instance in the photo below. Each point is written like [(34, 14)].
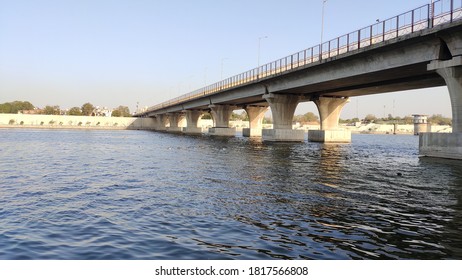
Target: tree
[(235, 117), (439, 120), (370, 118), (206, 116), (408, 120), (267, 120), (244, 116), (87, 109), (121, 111), (15, 106), (51, 110), (310, 117), (75, 111), (306, 118)]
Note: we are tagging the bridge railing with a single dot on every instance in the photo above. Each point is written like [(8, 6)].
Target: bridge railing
[(424, 17)]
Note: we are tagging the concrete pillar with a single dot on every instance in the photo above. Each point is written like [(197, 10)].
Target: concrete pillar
[(447, 145), (451, 71), (282, 108), (174, 119), (329, 113), (192, 120), (221, 115), (256, 115), (161, 122)]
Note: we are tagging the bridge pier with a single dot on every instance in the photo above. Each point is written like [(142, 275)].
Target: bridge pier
[(282, 108), (256, 115), (221, 115), (447, 145), (329, 112), (161, 122), (192, 120), (175, 119)]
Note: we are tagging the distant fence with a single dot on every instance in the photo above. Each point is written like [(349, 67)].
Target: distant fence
[(424, 17)]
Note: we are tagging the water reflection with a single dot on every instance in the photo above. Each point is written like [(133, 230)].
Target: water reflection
[(331, 163)]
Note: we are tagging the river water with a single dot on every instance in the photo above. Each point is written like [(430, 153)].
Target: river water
[(149, 195)]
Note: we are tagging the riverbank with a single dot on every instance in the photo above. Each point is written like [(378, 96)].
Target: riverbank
[(73, 122)]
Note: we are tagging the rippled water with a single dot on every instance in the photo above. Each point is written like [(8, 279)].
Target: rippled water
[(149, 195)]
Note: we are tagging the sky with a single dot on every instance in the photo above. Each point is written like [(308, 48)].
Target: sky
[(143, 52)]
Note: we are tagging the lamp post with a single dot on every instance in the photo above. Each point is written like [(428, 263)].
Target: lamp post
[(432, 8), (431, 13), (322, 20)]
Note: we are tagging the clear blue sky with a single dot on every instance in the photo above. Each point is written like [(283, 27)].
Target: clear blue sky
[(120, 52)]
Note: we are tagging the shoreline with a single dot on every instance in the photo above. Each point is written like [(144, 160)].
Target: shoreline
[(25, 121)]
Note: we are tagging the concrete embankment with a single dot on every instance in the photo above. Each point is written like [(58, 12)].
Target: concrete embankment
[(73, 122), (86, 122)]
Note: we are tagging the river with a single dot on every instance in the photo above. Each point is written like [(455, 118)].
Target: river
[(67, 194)]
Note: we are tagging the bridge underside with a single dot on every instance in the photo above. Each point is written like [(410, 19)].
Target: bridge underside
[(398, 64)]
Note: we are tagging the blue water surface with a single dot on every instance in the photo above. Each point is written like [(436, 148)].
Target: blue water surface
[(150, 195)]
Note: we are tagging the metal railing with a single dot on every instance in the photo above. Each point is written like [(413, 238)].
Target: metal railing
[(424, 17)]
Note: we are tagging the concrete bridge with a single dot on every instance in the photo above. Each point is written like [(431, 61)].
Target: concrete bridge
[(417, 49)]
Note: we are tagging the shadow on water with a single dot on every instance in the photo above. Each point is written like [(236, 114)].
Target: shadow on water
[(452, 228)]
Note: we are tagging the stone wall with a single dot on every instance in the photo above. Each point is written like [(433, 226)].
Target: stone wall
[(74, 122)]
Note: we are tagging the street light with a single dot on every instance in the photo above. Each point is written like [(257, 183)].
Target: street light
[(431, 13), (322, 20), (432, 9)]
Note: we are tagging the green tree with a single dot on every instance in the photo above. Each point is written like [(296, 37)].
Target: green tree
[(121, 111), (51, 110), (235, 117), (5, 108), (408, 120), (306, 118), (75, 111), (15, 106), (370, 118), (267, 120), (87, 109), (206, 116), (244, 116), (116, 113), (310, 117), (439, 120)]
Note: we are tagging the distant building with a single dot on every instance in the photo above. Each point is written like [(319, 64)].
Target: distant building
[(102, 112), (35, 111)]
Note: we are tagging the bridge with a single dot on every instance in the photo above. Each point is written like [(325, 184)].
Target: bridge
[(418, 49)]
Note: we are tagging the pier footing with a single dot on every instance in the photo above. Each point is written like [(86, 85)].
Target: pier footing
[(192, 130), (251, 132), (441, 145), (283, 135), (329, 136), (174, 129), (222, 131)]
